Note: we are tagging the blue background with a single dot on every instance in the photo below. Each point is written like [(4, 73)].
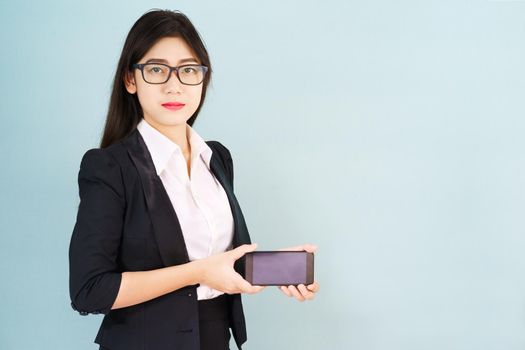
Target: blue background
[(390, 134)]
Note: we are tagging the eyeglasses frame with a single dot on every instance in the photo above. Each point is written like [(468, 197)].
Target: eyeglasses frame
[(140, 66)]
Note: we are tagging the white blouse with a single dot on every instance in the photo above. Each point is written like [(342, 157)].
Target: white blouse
[(201, 203)]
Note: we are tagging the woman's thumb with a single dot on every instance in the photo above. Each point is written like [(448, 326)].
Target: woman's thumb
[(243, 249)]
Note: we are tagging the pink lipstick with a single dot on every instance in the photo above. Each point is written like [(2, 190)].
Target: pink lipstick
[(173, 106)]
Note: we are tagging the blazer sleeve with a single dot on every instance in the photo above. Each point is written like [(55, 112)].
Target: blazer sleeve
[(94, 277)]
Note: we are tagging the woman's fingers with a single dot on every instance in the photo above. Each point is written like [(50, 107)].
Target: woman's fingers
[(305, 292), (301, 292), (257, 289), (218, 272), (296, 294), (241, 250), (285, 291), (310, 248), (245, 286), (314, 287)]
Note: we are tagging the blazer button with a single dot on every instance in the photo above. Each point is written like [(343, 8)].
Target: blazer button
[(189, 294)]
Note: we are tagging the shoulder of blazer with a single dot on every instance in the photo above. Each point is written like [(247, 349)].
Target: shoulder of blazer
[(218, 147), (107, 165), (112, 153), (99, 166)]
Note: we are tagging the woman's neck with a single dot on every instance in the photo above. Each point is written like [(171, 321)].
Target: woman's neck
[(176, 133)]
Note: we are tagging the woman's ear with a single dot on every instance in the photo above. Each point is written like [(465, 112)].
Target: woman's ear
[(129, 82)]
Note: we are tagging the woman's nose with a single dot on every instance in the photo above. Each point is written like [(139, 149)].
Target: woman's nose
[(173, 84)]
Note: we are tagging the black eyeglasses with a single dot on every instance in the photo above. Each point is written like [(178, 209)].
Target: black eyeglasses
[(159, 73)]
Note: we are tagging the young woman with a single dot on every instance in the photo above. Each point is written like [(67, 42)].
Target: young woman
[(159, 236)]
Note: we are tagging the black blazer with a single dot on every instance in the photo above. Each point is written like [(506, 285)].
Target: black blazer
[(126, 222)]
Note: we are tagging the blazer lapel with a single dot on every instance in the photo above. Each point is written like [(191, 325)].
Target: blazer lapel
[(240, 235), (166, 226)]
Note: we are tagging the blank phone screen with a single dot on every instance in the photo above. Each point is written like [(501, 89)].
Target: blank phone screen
[(279, 268)]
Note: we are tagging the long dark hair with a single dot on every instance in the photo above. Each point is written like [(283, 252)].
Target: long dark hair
[(124, 112)]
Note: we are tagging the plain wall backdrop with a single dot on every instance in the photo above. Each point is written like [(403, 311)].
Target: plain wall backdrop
[(389, 133)]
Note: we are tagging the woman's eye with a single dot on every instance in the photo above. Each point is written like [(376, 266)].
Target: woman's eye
[(156, 70), (189, 70)]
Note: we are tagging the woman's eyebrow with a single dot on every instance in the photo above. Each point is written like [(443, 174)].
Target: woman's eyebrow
[(162, 60)]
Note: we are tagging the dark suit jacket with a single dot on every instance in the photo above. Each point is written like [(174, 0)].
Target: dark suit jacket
[(126, 222)]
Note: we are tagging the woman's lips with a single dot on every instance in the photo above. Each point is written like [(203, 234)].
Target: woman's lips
[(173, 106)]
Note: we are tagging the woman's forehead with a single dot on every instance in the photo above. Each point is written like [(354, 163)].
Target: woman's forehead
[(171, 51)]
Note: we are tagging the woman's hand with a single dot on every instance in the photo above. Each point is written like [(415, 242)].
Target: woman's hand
[(218, 273), (301, 292)]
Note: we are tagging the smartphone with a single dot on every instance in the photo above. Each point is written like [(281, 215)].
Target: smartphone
[(279, 268)]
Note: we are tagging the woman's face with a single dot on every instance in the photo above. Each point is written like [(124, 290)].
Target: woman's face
[(173, 52)]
